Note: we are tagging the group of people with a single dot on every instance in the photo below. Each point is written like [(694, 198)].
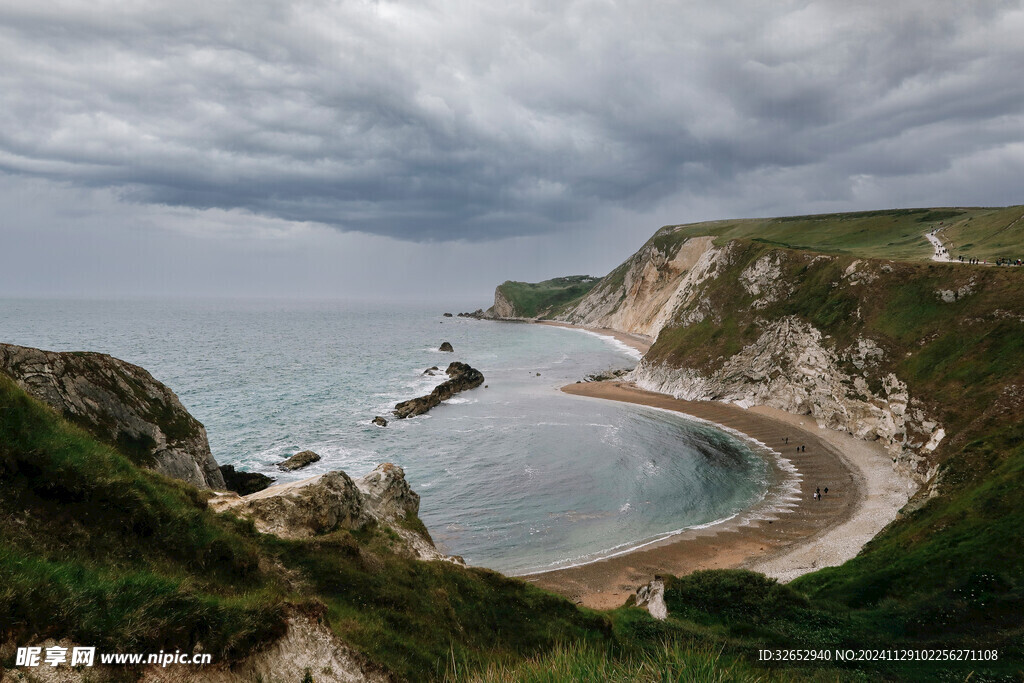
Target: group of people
[(818, 493), (998, 261)]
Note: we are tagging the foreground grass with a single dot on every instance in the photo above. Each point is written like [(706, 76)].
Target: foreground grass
[(665, 663)]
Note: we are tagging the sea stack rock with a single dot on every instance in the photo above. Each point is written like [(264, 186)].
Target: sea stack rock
[(461, 378), (380, 421), (120, 404), (299, 460), (445, 346)]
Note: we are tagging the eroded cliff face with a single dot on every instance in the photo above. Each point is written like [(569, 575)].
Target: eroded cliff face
[(120, 404), (640, 295), (789, 367), (502, 308)]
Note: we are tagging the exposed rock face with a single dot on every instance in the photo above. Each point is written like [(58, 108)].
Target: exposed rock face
[(333, 501), (120, 404), (300, 509), (244, 483), (652, 596), (380, 421), (462, 377), (447, 315), (503, 308), (446, 346), (789, 368), (386, 493), (640, 296), (299, 460)]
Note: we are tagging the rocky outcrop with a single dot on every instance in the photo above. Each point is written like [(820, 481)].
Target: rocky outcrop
[(387, 495), (310, 507), (651, 596), (244, 483), (462, 377), (334, 501), (446, 346), (122, 405), (789, 367), (299, 460), (380, 421), (447, 315)]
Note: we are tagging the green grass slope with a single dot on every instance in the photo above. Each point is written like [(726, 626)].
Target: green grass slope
[(547, 298)]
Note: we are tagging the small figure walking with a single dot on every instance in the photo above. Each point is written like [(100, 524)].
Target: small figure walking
[(817, 493), (826, 490)]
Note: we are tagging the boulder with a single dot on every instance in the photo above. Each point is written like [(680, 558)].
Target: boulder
[(386, 493), (242, 482), (445, 346), (299, 460), (461, 378), (447, 315), (120, 404), (380, 421)]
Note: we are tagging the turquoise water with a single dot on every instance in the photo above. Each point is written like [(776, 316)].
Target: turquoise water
[(516, 476)]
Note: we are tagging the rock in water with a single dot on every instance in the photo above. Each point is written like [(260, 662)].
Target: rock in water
[(120, 404), (445, 346), (447, 315), (299, 460), (461, 378), (380, 421), (244, 483)]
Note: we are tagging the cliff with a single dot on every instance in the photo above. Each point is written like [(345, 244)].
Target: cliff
[(863, 345), (518, 300), (122, 405)]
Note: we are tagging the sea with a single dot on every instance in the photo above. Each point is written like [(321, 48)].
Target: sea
[(515, 475)]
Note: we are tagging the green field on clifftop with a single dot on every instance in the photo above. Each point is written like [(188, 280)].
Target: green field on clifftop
[(893, 234), (547, 298)]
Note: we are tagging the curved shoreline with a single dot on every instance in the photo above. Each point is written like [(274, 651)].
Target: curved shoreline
[(864, 496)]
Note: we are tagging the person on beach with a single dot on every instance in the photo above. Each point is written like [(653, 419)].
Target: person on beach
[(826, 490), (817, 492)]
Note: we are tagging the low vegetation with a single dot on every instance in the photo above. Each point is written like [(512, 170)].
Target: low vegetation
[(547, 298)]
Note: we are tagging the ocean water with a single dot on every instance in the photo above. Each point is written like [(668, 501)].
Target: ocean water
[(517, 476)]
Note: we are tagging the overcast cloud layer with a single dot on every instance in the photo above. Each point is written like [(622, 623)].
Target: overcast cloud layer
[(439, 120)]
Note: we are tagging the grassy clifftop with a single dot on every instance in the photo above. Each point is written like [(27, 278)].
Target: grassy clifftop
[(537, 299), (890, 234)]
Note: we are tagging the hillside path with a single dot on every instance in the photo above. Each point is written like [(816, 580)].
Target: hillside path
[(940, 251)]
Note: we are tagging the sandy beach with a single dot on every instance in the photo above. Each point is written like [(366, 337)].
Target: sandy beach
[(781, 538), (636, 341)]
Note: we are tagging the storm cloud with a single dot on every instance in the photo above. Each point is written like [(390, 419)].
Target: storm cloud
[(443, 120)]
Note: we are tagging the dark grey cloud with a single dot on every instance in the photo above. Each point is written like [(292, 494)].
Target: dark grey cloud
[(430, 121)]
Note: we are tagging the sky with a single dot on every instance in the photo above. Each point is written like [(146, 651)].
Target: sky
[(432, 149)]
